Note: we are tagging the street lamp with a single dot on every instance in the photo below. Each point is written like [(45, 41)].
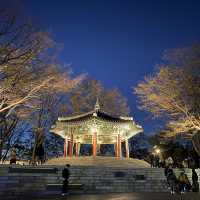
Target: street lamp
[(157, 151)]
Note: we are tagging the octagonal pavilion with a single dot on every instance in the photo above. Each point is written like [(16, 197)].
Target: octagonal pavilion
[(95, 127)]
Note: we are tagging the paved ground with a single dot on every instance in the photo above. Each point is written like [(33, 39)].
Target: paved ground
[(122, 196), (136, 196)]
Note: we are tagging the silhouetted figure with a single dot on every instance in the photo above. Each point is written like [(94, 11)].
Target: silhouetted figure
[(189, 159), (40, 154), (166, 170), (171, 179), (195, 184), (65, 175), (152, 160), (13, 158), (156, 158)]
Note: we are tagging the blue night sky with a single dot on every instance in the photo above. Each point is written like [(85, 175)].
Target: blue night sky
[(118, 41)]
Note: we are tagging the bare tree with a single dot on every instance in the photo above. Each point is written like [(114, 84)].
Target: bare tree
[(83, 98), (26, 66), (173, 91), (28, 70)]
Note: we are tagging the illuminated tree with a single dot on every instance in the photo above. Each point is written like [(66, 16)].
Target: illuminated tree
[(28, 70), (173, 91)]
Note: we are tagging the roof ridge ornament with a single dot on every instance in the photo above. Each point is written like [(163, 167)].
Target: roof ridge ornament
[(97, 105)]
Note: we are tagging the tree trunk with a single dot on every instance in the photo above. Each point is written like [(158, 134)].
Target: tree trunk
[(1, 148), (33, 159), (196, 142), (38, 141)]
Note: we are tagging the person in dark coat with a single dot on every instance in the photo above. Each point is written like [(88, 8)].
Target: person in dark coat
[(166, 169), (152, 160), (171, 179), (40, 154), (195, 184), (13, 158), (156, 158), (65, 175)]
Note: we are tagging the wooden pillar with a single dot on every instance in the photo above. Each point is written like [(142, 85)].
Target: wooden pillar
[(76, 149), (115, 146), (65, 147), (71, 146), (127, 148), (94, 144), (119, 146), (68, 145), (79, 148)]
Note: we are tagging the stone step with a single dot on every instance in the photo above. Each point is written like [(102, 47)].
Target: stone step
[(94, 180)]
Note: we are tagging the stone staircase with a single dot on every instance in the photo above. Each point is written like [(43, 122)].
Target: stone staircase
[(18, 180)]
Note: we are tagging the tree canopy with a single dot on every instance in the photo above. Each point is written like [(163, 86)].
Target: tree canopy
[(173, 91), (29, 71), (83, 98)]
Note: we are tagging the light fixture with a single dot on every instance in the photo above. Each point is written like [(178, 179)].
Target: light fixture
[(93, 128)]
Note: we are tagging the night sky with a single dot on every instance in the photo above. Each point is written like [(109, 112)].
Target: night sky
[(118, 42)]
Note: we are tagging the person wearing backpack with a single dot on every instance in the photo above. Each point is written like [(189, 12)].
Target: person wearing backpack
[(171, 179), (184, 184)]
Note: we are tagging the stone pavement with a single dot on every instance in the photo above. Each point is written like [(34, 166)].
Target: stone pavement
[(137, 196), (119, 196)]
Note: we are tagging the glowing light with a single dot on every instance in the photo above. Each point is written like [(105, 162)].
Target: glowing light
[(127, 127), (157, 151), (93, 128)]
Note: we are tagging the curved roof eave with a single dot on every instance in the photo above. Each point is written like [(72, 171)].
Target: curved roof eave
[(96, 114), (131, 134)]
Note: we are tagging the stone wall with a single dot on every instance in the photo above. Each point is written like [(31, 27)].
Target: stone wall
[(25, 179)]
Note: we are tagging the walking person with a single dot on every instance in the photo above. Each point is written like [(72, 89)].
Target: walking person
[(166, 169), (171, 180), (65, 175), (13, 156), (156, 161), (40, 154), (195, 184), (152, 160), (184, 183), (170, 161)]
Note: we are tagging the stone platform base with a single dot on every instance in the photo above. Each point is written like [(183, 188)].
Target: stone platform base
[(99, 161)]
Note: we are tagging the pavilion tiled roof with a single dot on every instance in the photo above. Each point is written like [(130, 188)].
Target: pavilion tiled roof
[(95, 114)]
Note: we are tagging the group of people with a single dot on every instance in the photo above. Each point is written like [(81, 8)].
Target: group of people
[(181, 183), (39, 160), (156, 161)]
